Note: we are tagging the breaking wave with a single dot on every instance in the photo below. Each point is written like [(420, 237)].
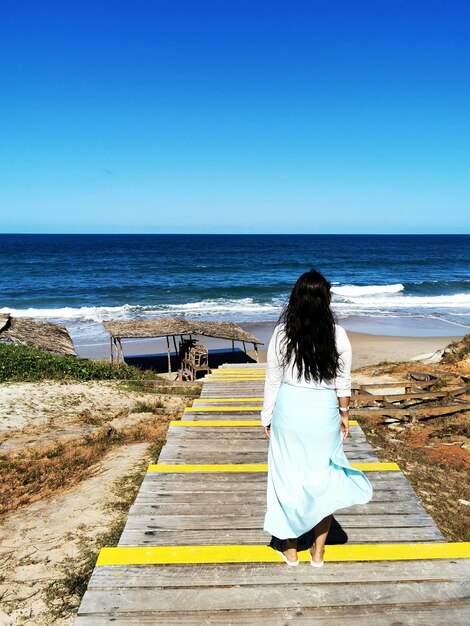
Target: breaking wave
[(367, 290)]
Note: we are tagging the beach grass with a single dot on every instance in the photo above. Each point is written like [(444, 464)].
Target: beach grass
[(20, 363)]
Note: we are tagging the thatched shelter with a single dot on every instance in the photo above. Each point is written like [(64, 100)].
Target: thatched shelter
[(174, 327), (28, 332), (4, 319)]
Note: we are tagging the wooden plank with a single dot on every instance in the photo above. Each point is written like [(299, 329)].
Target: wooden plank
[(186, 434), (157, 495), (214, 497), (252, 520), (212, 574), (359, 615), (259, 537), (227, 442), (246, 484), (258, 448), (224, 440), (199, 508), (386, 477), (246, 446), (236, 458), (269, 597)]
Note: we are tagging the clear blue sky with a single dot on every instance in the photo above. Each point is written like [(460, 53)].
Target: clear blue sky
[(235, 116)]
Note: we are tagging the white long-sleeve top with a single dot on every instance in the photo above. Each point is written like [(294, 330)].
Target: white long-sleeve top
[(276, 374)]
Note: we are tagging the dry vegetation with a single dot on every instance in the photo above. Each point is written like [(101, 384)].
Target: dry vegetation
[(37, 472), (433, 452), (72, 455)]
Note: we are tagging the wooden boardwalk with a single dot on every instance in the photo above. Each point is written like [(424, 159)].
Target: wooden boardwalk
[(193, 550)]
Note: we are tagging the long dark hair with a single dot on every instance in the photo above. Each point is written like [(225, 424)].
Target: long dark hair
[(310, 328)]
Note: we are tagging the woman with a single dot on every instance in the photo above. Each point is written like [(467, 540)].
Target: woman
[(308, 372)]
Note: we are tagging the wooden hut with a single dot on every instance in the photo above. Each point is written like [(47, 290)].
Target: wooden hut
[(27, 332), (174, 327)]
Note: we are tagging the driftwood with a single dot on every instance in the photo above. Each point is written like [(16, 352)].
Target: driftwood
[(411, 414), (422, 376), (369, 399), (417, 403), (405, 384)]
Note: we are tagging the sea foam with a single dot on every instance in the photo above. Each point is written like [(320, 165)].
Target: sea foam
[(366, 290)]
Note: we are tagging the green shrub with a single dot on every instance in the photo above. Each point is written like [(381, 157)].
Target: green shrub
[(22, 363)]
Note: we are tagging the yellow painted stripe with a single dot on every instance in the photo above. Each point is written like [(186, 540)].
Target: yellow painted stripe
[(240, 370), (235, 376), (229, 400), (227, 423), (177, 468), (222, 409), (214, 467), (211, 379), (215, 423), (264, 554)]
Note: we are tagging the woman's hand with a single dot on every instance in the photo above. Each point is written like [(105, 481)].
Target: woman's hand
[(344, 415), (267, 431)]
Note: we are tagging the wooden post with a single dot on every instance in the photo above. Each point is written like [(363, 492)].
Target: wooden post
[(122, 350), (118, 355), (169, 354), (244, 347), (233, 345), (256, 352), (111, 349), (178, 363)]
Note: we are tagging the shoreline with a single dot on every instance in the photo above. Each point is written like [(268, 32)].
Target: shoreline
[(368, 349)]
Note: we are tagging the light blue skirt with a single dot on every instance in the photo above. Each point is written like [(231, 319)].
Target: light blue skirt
[(309, 476)]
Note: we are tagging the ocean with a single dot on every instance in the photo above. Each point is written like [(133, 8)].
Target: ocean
[(382, 284)]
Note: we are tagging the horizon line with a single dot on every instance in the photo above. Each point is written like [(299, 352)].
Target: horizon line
[(230, 234)]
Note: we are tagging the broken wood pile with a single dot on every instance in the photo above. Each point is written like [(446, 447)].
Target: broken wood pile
[(421, 396)]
